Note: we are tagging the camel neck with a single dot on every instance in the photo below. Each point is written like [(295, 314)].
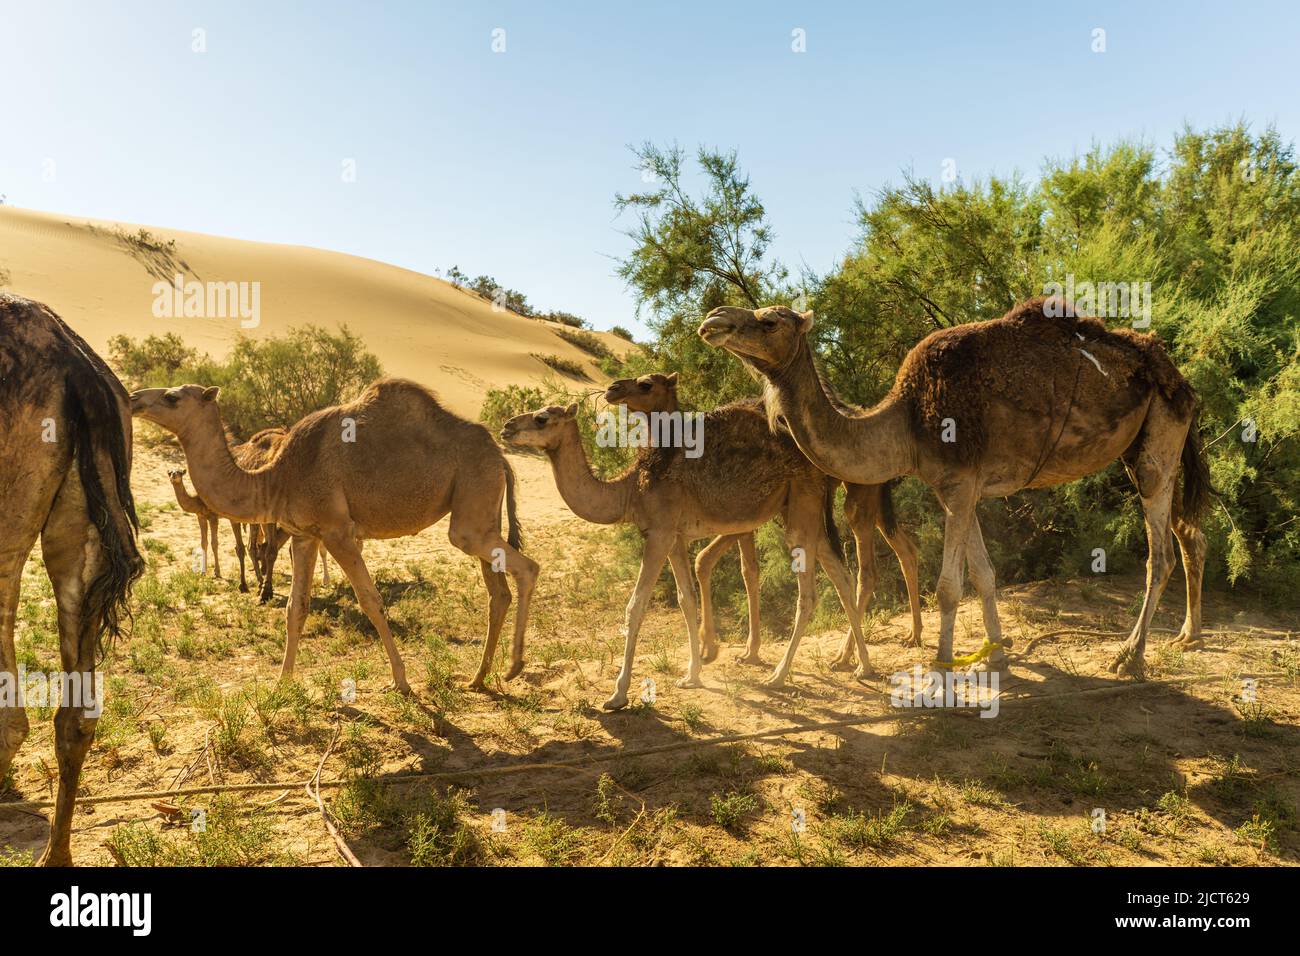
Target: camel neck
[(219, 481), (187, 501), (868, 447), (600, 502)]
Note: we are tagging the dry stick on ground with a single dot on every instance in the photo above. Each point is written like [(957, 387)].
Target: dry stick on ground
[(344, 849), (620, 754), (1040, 638)]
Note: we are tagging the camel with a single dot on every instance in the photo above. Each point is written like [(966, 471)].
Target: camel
[(1036, 398), (390, 463), (266, 541), (866, 507), (674, 499), (65, 468), (208, 524)]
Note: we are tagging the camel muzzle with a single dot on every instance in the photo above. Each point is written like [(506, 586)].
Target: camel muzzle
[(715, 331)]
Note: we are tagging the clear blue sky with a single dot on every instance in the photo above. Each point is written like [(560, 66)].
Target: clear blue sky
[(507, 164)]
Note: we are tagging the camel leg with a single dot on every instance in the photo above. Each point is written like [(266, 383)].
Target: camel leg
[(749, 571), (73, 558), (274, 538), (680, 560), (1155, 486), (807, 600), (980, 569), (904, 548), (480, 537), (240, 553), (13, 720), (960, 507), (861, 510), (343, 547), (705, 562), (1191, 542), (838, 572), (498, 605), (325, 568), (657, 546), (216, 558), (304, 554), (203, 543), (255, 552)]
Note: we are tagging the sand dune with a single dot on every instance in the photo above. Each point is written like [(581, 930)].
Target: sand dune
[(419, 326)]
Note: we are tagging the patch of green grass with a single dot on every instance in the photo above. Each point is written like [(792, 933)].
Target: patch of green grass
[(437, 834), (553, 840), (232, 836), (860, 831), (730, 811)]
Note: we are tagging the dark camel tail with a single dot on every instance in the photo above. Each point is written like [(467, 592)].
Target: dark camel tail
[(1196, 475), (888, 519), (94, 422), (828, 518), (515, 538)]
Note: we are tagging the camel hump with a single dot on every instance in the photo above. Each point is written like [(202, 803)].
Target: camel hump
[(952, 376)]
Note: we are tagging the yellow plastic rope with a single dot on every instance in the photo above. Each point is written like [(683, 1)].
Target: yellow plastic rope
[(968, 659)]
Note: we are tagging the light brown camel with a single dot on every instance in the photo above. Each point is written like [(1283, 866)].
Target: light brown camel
[(1033, 399), (65, 467), (208, 524), (866, 507), (388, 464), (266, 541), (674, 499)]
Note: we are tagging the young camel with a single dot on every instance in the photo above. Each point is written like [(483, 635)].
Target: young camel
[(1033, 399), (209, 521), (674, 499), (866, 507), (65, 467), (388, 464)]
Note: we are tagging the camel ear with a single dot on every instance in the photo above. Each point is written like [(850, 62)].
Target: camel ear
[(672, 379), (805, 321), (210, 394), (572, 410)]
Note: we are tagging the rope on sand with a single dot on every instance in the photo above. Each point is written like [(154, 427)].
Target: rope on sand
[(617, 754)]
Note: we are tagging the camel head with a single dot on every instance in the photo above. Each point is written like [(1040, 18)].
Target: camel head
[(765, 338), (655, 392), (175, 409), (544, 429), (176, 475)]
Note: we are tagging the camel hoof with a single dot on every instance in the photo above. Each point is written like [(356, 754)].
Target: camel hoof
[(842, 664), (1187, 643), (913, 640), (774, 681), (403, 688), (516, 669), (243, 589), (1127, 664), (753, 660), (617, 702), (689, 681), (61, 859), (709, 654), (864, 672), (477, 686)]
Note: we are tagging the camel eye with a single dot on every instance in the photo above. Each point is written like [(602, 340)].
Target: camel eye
[(170, 398), (644, 386), (768, 324), (540, 419)]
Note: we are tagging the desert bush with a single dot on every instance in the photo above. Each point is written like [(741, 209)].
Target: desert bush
[(562, 365), (584, 340), (622, 333), (264, 382)]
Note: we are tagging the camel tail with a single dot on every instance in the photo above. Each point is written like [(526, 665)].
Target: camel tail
[(828, 517), (515, 537), (888, 519), (95, 431), (1196, 475)]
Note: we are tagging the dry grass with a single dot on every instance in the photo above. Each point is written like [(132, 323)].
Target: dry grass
[(1185, 775)]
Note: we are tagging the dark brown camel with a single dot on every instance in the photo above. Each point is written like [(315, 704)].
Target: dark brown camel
[(1036, 398), (65, 469)]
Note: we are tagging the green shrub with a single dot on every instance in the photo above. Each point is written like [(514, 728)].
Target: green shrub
[(584, 340)]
